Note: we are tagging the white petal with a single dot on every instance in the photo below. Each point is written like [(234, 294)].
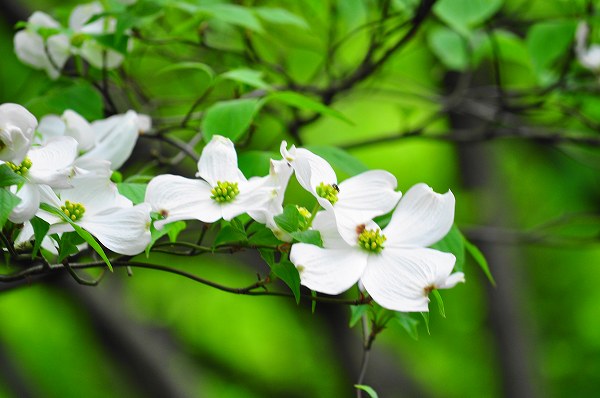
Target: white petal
[(82, 14), (79, 128), (325, 223), (422, 218), (218, 162), (51, 126), (371, 193), (400, 279), (96, 193), (29, 205), (312, 170), (17, 126), (52, 163), (125, 230), (329, 271), (115, 139), (179, 198)]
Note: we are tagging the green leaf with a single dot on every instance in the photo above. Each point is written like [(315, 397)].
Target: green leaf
[(40, 229), (268, 255), (311, 237), (449, 47), (79, 96), (339, 159), (479, 259), (543, 55), (264, 236), (280, 16), (463, 15), (8, 201), (287, 272), (234, 15), (440, 302), (306, 103), (134, 192), (229, 233), (172, 229), (197, 66), (453, 242), (367, 389), (408, 323), (9, 177), (313, 304), (289, 220), (112, 41), (67, 245), (356, 313), (230, 119), (247, 76), (80, 231)]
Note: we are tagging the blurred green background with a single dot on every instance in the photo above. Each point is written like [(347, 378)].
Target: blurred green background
[(529, 202)]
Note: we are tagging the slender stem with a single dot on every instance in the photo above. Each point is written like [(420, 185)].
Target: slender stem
[(367, 341)]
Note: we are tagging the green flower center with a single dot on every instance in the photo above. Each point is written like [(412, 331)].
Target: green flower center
[(73, 210), (22, 168), (305, 217), (328, 191), (371, 240), (225, 191)]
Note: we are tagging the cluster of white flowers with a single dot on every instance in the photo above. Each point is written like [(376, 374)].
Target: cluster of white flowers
[(45, 44), (66, 162), (67, 165)]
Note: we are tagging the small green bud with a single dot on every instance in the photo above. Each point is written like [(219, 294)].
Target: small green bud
[(21, 169)]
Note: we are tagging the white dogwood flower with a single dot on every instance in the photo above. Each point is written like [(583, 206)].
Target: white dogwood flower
[(394, 265), (49, 54), (223, 191), (354, 201), (95, 204), (111, 139), (48, 165), (17, 126)]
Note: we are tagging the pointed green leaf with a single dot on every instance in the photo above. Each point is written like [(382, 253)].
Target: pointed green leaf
[(8, 201), (479, 259), (40, 229), (229, 118), (287, 272), (303, 102), (9, 177), (367, 389)]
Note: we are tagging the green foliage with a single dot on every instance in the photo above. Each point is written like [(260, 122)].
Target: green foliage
[(8, 201), (40, 229), (287, 272), (464, 15), (133, 191), (369, 390), (9, 177), (303, 102), (340, 159), (543, 55), (231, 232), (357, 312), (453, 242), (250, 77), (172, 230), (450, 48), (79, 96), (229, 118), (408, 323)]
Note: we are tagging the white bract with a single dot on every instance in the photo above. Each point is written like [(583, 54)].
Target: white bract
[(223, 191), (48, 165), (589, 57), (96, 205), (354, 201), (394, 265), (111, 139), (276, 182), (46, 45), (17, 126), (50, 53)]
